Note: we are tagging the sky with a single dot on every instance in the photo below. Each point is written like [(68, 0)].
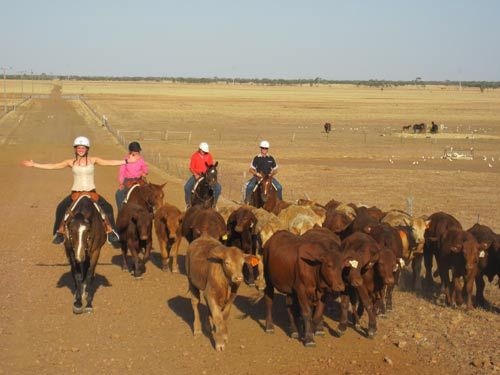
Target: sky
[(337, 40)]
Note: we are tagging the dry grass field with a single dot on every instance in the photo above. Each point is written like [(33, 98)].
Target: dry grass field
[(145, 326), (351, 164)]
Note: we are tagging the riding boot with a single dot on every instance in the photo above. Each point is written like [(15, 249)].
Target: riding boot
[(112, 236)]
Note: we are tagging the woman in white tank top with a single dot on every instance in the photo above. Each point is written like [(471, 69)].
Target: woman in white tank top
[(82, 166)]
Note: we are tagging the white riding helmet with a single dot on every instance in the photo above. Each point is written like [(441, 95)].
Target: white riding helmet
[(264, 144), (81, 141), (203, 146)]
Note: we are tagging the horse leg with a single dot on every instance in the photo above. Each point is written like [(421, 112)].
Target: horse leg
[(137, 264), (89, 280), (77, 303)]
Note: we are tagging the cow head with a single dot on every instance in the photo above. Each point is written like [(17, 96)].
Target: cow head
[(418, 227), (143, 220), (330, 263), (232, 260), (386, 265)]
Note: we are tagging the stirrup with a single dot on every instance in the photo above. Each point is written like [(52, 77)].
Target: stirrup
[(58, 239)]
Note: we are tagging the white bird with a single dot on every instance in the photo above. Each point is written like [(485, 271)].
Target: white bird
[(485, 158), (489, 165), (391, 161), (492, 158)]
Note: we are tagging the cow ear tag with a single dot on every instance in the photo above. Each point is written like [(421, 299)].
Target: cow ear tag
[(224, 237), (482, 254)]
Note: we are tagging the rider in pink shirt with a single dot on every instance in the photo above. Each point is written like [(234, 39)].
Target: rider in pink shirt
[(130, 173)]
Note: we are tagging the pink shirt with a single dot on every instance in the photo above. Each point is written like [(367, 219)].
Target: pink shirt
[(133, 170)]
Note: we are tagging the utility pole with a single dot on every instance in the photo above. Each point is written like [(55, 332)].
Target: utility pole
[(32, 84), (23, 72)]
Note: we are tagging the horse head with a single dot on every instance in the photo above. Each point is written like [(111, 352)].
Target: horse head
[(210, 174), (265, 187), (78, 229), (152, 195)]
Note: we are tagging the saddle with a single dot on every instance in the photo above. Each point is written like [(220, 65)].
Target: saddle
[(77, 196), (196, 183), (259, 182), (132, 182)]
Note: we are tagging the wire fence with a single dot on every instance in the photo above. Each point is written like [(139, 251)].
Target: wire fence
[(13, 107)]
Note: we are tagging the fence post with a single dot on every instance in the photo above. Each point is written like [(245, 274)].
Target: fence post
[(166, 135), (189, 138)]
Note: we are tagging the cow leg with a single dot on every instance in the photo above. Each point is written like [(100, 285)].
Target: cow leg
[(416, 265), (480, 301), (174, 251), (220, 329), (370, 310), (344, 309), (428, 267), (195, 302), (317, 319), (269, 296), (388, 299), (306, 312), (293, 314), (250, 277), (445, 280), (260, 283), (164, 253), (468, 286)]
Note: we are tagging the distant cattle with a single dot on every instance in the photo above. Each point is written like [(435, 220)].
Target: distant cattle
[(327, 127), (434, 128), (406, 128), (419, 128)]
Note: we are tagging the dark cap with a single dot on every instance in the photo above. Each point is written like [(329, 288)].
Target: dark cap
[(134, 147)]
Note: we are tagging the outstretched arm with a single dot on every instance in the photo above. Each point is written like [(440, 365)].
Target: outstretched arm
[(60, 165), (100, 161)]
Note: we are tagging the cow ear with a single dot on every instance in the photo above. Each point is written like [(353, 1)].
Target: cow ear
[(163, 185), (351, 262), (216, 164), (427, 224), (310, 253), (252, 260), (217, 252)]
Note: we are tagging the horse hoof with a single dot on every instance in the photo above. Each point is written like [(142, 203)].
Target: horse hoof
[(371, 333), (269, 330), (77, 310), (89, 310), (294, 335), (319, 333), (310, 344), (140, 277)]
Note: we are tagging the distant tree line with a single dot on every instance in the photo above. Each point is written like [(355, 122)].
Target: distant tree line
[(267, 81)]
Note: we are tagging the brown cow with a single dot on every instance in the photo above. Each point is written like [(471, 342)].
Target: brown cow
[(365, 250), (215, 270), (135, 225), (489, 259), (198, 220), (302, 269), (337, 222), (241, 233), (168, 227), (440, 222), (460, 252)]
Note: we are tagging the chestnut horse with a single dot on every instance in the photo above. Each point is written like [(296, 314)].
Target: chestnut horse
[(84, 236), (264, 195), (204, 188), (148, 195)]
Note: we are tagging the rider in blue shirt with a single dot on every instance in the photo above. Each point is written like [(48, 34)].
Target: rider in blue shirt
[(263, 164)]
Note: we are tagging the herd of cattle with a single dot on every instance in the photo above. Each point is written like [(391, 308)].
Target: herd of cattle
[(314, 253), (422, 128)]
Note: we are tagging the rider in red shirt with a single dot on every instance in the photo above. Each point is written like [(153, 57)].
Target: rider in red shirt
[(197, 166)]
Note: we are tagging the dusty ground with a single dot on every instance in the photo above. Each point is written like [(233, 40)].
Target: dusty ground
[(145, 325)]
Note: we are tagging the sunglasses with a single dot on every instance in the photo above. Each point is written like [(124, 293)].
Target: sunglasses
[(264, 148)]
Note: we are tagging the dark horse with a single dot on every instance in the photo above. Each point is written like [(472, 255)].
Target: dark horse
[(148, 195), (84, 237), (204, 188), (264, 195)]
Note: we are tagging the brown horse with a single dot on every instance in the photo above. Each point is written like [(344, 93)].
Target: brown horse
[(84, 236), (265, 195), (135, 227), (148, 195)]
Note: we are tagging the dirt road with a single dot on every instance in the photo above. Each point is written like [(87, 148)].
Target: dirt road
[(145, 325)]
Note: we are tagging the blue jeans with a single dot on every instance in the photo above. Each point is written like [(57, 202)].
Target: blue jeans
[(189, 186), (253, 181)]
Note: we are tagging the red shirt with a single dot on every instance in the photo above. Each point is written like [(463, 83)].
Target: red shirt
[(198, 161)]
